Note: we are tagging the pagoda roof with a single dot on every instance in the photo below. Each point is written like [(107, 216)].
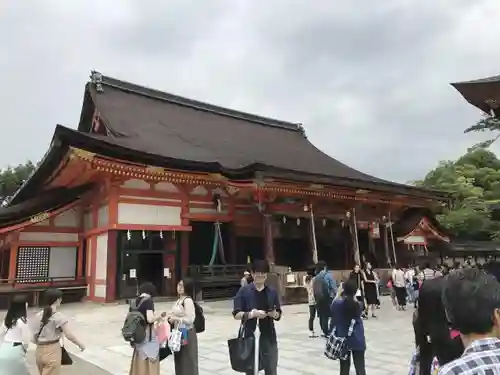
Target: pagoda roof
[(482, 93), (152, 127), (413, 217)]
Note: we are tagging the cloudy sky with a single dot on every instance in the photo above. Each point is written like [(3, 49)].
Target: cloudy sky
[(368, 79)]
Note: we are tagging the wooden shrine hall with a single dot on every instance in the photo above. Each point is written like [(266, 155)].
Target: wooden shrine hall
[(153, 187)]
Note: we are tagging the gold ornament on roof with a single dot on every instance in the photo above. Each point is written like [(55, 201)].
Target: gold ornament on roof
[(154, 170), (81, 154), (39, 217)]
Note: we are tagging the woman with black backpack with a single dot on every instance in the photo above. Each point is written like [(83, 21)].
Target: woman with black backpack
[(185, 316), (145, 360)]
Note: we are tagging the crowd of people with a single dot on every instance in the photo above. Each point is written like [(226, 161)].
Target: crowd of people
[(47, 330), (456, 321)]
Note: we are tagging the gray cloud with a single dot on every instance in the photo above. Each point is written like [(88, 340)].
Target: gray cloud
[(370, 81)]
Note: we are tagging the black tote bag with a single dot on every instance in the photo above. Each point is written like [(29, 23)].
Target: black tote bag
[(66, 359), (241, 352)]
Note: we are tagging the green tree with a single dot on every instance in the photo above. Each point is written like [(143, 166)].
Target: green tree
[(474, 183), (486, 124), (11, 178)]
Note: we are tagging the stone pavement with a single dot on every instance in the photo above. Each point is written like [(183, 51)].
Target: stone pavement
[(79, 367), (389, 340)]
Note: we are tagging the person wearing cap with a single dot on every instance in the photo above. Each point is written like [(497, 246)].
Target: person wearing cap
[(245, 279)]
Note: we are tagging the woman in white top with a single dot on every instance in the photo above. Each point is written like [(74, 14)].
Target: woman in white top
[(399, 285), (182, 315), (311, 301), (14, 339)]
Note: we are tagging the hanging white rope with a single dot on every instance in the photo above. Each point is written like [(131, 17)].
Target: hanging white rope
[(392, 240), (313, 233)]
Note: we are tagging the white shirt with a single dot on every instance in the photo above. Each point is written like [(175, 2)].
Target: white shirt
[(409, 275), (20, 332), (398, 278), (429, 274)]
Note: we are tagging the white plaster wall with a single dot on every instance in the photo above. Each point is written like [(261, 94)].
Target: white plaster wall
[(87, 220), (199, 190), (48, 237), (414, 240), (68, 218), (103, 216), (166, 186), (101, 256), (100, 291), (62, 262), (136, 184), (130, 213)]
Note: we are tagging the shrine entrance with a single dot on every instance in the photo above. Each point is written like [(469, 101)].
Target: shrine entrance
[(146, 257)]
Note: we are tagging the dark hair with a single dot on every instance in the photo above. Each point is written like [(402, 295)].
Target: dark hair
[(16, 311), (260, 266), (321, 265), (189, 286), (50, 297), (471, 297), (310, 274), (427, 265), (351, 307), (147, 288), (431, 321)]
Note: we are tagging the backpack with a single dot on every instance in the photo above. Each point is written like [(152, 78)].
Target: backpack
[(134, 326), (199, 318), (320, 288)]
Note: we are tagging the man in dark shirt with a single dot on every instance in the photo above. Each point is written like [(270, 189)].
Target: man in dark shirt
[(258, 302)]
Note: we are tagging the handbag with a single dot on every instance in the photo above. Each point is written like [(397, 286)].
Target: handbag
[(66, 359), (162, 332), (242, 351), (175, 339), (164, 353), (336, 347)]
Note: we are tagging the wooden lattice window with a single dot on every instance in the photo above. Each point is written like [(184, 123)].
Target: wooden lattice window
[(32, 264)]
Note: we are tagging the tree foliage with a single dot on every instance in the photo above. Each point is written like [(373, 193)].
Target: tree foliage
[(486, 124), (474, 183), (11, 178)]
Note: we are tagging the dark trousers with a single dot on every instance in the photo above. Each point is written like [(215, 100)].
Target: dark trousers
[(324, 314), (358, 357), (401, 295), (269, 350), (312, 316)]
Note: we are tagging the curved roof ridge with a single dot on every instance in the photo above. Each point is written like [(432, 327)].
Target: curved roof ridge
[(102, 80)]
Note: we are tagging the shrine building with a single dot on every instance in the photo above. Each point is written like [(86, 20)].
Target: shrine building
[(153, 187)]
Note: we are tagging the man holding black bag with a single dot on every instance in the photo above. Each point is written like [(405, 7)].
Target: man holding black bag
[(256, 302)]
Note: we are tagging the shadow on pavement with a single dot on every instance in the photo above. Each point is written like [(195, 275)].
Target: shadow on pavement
[(79, 367)]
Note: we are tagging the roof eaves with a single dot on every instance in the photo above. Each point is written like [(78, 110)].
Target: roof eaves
[(492, 79), (52, 156), (380, 186)]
